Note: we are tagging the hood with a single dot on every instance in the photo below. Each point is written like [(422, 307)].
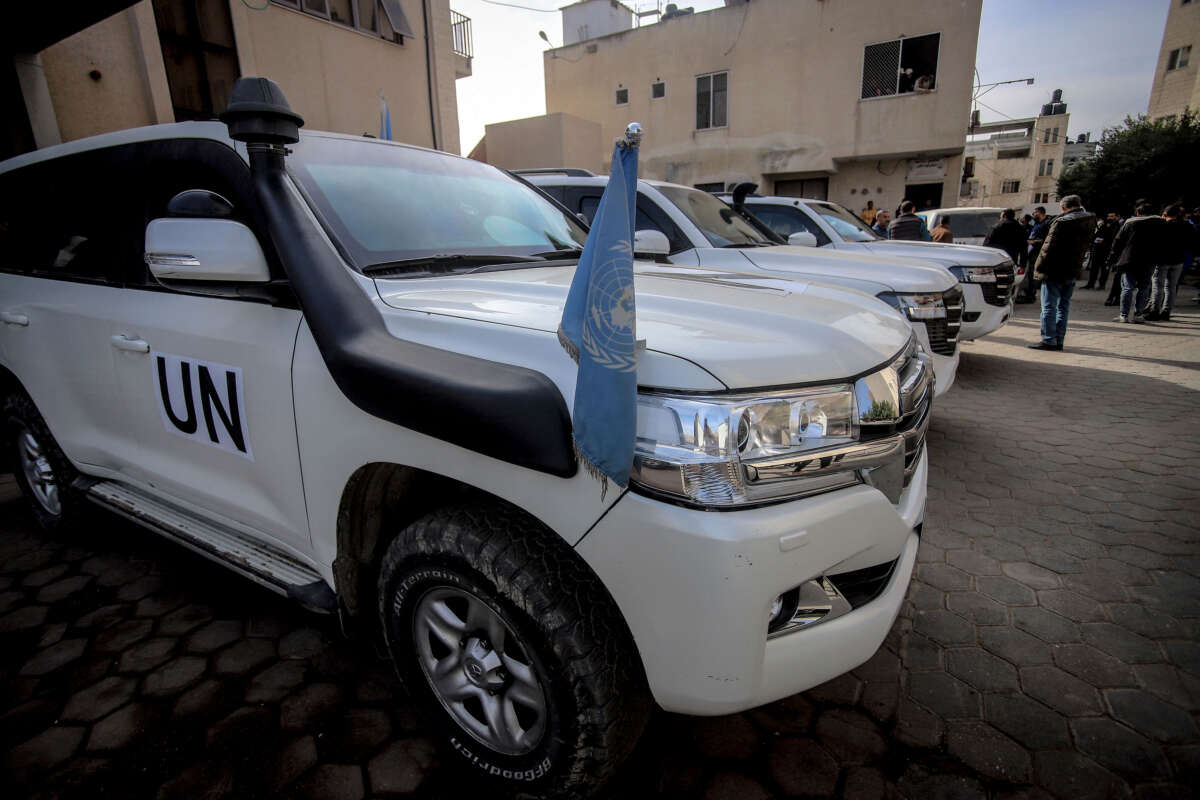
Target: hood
[(746, 331), (890, 274), (945, 255)]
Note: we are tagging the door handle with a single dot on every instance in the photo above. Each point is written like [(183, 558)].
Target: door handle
[(130, 345), (9, 318)]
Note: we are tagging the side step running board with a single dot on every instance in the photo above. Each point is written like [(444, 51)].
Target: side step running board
[(260, 562)]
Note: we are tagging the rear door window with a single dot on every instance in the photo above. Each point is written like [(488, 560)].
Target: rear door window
[(71, 218), (649, 217)]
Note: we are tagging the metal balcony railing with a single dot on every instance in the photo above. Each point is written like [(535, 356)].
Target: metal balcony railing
[(460, 29)]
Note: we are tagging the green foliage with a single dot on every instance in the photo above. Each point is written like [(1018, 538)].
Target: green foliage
[(881, 410), (1158, 160)]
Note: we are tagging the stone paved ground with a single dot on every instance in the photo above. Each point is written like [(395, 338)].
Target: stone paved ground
[(1050, 645)]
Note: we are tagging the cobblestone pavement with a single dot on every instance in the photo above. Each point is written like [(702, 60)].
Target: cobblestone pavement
[(1050, 645)]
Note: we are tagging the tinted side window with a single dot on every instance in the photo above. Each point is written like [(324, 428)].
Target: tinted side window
[(649, 217), (73, 218), (786, 220), (171, 166)]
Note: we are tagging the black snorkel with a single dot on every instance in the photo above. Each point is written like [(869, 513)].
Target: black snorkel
[(508, 412), (740, 192)]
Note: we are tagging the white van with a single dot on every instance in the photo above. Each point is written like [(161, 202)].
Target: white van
[(969, 224)]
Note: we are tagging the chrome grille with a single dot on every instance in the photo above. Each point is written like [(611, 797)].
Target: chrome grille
[(997, 293), (916, 389), (943, 333)]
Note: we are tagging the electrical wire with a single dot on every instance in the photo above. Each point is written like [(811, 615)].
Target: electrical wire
[(737, 38), (517, 5)]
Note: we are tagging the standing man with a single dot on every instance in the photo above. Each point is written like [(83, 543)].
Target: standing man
[(1135, 253), (1178, 243), (908, 226), (1058, 263), (1008, 235), (1037, 236), (868, 213), (1106, 231), (881, 222), (941, 232)]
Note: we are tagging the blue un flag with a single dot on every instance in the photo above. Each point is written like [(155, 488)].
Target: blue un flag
[(599, 329)]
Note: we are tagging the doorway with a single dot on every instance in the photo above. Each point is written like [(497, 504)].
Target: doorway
[(925, 195)]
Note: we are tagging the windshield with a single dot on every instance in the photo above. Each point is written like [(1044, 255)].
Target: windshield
[(720, 223), (849, 227), (965, 224), (386, 203)]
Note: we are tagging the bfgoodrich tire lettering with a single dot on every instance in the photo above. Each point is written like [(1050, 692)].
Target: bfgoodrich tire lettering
[(574, 641), (27, 437)]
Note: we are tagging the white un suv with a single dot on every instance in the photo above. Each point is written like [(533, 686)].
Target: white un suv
[(330, 363), (987, 275), (679, 225)]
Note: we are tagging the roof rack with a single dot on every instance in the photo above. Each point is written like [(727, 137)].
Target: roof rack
[(569, 172)]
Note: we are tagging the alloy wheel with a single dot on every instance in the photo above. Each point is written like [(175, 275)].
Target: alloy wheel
[(38, 472)]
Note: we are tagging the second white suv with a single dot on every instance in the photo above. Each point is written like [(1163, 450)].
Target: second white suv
[(683, 226), (987, 275)]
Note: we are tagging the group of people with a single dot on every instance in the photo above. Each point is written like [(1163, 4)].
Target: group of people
[(1147, 254), (907, 225)]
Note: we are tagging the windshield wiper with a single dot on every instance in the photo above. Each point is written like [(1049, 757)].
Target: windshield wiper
[(746, 244), (565, 252), (446, 260)]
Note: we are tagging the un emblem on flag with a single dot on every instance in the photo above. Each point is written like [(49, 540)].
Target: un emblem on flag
[(608, 328)]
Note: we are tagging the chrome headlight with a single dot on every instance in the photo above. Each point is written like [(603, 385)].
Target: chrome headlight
[(974, 274), (922, 306), (732, 450)]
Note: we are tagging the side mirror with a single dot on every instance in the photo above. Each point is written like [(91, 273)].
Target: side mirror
[(651, 243), (204, 250), (802, 239)]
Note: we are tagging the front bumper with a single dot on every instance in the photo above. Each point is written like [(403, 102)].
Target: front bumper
[(695, 588), (945, 368), (991, 318)]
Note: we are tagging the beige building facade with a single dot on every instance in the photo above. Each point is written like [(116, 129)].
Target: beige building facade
[(1177, 73), (1016, 163), (161, 61), (851, 100)]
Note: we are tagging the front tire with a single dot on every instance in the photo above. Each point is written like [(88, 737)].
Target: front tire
[(41, 468), (514, 649)]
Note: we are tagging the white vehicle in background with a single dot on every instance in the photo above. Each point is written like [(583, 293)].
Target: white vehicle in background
[(969, 224), (330, 364), (987, 275), (679, 225)]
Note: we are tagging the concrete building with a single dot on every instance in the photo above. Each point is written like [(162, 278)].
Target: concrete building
[(1016, 163), (1176, 77), (851, 100), (1081, 149), (127, 64)]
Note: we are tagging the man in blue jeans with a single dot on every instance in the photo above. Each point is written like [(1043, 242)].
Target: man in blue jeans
[(1135, 253), (1058, 265)]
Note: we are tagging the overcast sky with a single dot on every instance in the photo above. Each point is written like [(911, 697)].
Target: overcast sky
[(1101, 53)]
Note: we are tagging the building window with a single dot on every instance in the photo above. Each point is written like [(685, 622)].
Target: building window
[(808, 188), (390, 21), (658, 89), (1041, 197), (901, 66), (622, 97), (1010, 187), (198, 54), (1050, 166), (712, 100), (1179, 57)]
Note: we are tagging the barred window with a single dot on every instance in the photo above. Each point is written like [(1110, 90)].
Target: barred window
[(712, 100), (901, 66), (1009, 187), (622, 97)]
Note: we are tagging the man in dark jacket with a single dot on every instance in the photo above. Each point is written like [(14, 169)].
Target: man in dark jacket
[(1057, 267), (1178, 242), (1106, 231), (1135, 253), (908, 226), (1037, 235), (1008, 235)]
